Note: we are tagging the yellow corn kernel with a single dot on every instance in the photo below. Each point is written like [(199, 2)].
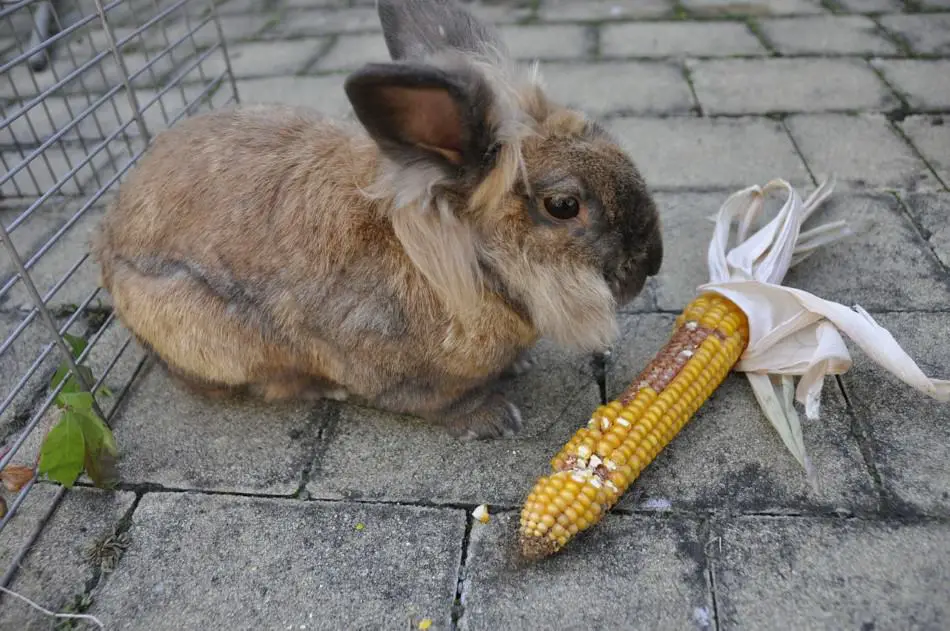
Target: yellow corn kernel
[(596, 466)]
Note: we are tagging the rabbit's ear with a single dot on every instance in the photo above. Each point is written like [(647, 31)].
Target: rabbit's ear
[(417, 112), (414, 29)]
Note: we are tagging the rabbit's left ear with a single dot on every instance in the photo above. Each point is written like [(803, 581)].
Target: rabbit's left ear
[(414, 29), (420, 113)]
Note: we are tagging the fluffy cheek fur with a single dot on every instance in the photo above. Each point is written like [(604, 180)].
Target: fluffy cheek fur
[(568, 300), (571, 305)]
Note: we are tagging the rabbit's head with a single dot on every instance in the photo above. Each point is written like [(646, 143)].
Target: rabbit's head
[(492, 187)]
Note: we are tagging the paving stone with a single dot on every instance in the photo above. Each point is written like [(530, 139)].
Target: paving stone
[(871, 6), (905, 275), (710, 153), (350, 52), (653, 577), (554, 41), (931, 136), (729, 457), (737, 86), (598, 10), (556, 397), (15, 362), (862, 151), (914, 79), (826, 35), (177, 439), (628, 87), (55, 571), (932, 212), (234, 27), (679, 39), (506, 12), (61, 170), (149, 70), (832, 574), (755, 7), (109, 357), (322, 93), (924, 33), (909, 432), (267, 59), (325, 22), (211, 561), (935, 4), (61, 260)]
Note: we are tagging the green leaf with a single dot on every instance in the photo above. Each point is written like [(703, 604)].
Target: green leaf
[(76, 343), (104, 391), (101, 450), (63, 451), (77, 401)]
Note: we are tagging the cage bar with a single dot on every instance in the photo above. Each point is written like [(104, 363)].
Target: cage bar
[(84, 88)]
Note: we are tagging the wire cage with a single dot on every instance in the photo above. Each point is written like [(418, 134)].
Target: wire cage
[(84, 86)]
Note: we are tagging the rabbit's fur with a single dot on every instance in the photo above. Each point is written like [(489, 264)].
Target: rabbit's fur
[(408, 261)]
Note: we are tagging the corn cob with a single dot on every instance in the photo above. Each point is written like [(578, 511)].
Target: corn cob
[(594, 469)]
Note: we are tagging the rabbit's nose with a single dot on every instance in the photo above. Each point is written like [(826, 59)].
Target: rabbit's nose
[(654, 249)]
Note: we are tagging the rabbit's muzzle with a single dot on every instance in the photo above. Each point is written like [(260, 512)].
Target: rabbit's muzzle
[(627, 276)]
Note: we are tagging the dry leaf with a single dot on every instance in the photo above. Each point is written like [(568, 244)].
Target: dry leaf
[(3, 508), (15, 477)]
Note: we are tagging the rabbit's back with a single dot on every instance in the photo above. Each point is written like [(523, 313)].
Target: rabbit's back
[(246, 188)]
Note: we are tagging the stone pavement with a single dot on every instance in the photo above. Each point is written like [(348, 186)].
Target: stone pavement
[(336, 517)]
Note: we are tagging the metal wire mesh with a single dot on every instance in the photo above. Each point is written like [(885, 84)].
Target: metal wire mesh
[(84, 86)]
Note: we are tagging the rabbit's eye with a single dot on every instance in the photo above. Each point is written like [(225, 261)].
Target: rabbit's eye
[(562, 207)]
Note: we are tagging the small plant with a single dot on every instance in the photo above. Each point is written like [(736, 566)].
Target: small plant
[(81, 439)]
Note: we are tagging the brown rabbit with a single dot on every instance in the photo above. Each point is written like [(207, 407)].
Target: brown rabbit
[(408, 262)]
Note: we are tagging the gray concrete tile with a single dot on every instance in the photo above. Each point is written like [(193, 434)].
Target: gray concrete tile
[(679, 39), (349, 52), (55, 570), (553, 41), (598, 10), (932, 212), (826, 35), (15, 362), (235, 28), (628, 87), (555, 398), (324, 22), (709, 153), (761, 7), (729, 457), (832, 574), (507, 12), (746, 86), (871, 6), (322, 93), (931, 136), (70, 249), (864, 151), (267, 59), (905, 274), (109, 357), (909, 432), (68, 167), (917, 80), (924, 33), (656, 570), (211, 561), (177, 439)]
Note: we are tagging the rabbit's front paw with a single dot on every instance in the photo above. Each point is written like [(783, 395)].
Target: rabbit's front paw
[(495, 417), (523, 364)]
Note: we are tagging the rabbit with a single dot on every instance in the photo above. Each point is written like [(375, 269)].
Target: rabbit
[(406, 257)]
